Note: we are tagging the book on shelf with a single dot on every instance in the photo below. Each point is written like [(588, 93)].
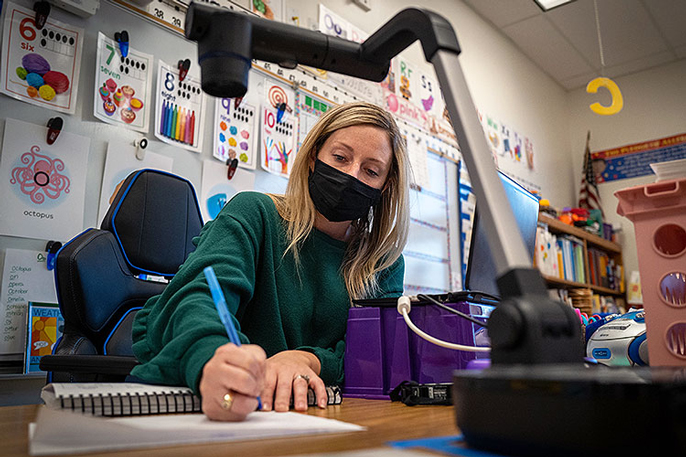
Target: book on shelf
[(44, 327), (135, 399)]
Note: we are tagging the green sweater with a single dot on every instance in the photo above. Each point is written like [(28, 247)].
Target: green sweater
[(273, 304)]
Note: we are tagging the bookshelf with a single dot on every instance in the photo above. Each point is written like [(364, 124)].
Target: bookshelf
[(587, 241)]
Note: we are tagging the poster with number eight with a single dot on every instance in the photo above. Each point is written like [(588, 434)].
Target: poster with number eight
[(122, 85), (179, 108), (278, 127), (40, 67)]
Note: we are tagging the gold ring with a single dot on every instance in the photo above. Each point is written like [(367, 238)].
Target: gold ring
[(303, 376), (227, 403)]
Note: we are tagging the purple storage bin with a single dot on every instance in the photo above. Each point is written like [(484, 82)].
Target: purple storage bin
[(381, 350)]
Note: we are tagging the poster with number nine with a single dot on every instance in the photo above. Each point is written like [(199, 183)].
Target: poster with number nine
[(40, 67), (122, 86), (179, 109)]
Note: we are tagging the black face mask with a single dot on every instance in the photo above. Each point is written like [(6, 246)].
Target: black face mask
[(338, 196)]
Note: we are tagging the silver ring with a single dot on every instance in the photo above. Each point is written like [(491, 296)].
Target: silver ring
[(303, 376), (227, 402)]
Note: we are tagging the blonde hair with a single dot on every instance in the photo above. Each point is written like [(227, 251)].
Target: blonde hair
[(376, 242)]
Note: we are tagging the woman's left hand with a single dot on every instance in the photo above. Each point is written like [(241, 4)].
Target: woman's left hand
[(291, 373)]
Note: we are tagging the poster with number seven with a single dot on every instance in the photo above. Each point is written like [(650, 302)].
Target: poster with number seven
[(122, 86), (179, 109), (40, 67)]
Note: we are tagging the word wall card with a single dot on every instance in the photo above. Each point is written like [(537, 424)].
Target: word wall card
[(122, 85), (179, 109)]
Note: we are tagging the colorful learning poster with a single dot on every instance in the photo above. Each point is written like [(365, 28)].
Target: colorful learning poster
[(179, 109), (634, 160), (121, 161), (122, 85), (309, 110), (217, 189), (45, 326), (269, 9), (235, 135), (278, 128), (25, 278), (40, 67), (42, 186)]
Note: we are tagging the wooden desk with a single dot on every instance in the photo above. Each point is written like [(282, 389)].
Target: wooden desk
[(386, 421)]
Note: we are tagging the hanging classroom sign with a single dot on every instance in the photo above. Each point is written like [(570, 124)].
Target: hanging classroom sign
[(179, 108), (122, 85), (40, 67), (633, 160)]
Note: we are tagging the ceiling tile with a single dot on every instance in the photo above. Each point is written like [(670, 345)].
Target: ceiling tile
[(680, 52), (670, 16), (505, 12), (578, 81), (637, 65), (543, 44)]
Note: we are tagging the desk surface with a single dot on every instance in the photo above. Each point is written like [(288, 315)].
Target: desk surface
[(385, 421)]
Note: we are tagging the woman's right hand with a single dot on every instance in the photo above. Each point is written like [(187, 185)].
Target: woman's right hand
[(237, 371)]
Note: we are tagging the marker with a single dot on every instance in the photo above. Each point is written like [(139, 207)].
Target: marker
[(223, 310), (182, 126), (172, 130), (177, 122), (188, 128), (192, 127), (163, 119)]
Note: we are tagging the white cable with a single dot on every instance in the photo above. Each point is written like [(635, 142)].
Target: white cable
[(404, 308)]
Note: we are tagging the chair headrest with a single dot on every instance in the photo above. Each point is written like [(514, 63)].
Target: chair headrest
[(154, 217)]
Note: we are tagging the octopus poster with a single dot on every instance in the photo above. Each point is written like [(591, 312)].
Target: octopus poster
[(122, 85), (43, 186), (40, 67)]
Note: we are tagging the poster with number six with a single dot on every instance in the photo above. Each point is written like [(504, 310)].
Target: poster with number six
[(179, 108), (40, 67), (122, 86)]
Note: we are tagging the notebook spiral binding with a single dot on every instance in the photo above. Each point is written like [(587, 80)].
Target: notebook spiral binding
[(133, 405)]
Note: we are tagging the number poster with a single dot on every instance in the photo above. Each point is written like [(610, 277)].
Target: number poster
[(278, 128), (179, 109), (122, 86), (234, 130), (40, 67)]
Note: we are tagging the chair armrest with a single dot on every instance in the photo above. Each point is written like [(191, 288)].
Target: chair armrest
[(94, 364)]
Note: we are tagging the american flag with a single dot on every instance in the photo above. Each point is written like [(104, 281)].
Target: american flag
[(589, 197)]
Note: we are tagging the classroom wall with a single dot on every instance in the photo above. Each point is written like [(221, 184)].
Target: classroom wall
[(503, 82), (654, 107)]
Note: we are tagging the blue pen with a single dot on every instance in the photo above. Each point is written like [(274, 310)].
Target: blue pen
[(223, 310)]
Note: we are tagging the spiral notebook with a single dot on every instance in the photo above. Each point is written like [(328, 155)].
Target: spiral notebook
[(133, 399)]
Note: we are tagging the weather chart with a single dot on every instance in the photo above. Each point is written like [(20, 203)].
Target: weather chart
[(122, 85), (278, 128), (179, 109), (40, 67)]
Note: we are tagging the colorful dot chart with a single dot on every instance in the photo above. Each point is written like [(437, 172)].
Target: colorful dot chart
[(40, 67), (179, 108), (122, 86), (234, 131)]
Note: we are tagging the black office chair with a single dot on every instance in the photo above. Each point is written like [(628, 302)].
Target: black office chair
[(103, 276)]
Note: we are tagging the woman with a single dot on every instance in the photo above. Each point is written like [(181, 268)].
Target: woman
[(289, 267)]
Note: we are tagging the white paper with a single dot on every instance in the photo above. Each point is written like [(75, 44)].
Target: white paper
[(51, 55), (122, 86), (60, 432), (25, 278), (43, 186), (417, 152), (121, 161), (179, 108), (217, 189)]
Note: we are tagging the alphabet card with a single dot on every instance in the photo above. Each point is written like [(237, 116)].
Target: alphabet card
[(40, 67), (122, 85), (179, 109), (234, 130), (43, 186), (278, 128)]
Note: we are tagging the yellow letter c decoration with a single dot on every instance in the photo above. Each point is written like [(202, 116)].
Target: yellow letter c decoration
[(617, 100)]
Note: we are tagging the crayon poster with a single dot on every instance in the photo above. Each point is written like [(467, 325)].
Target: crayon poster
[(217, 189), (121, 161), (235, 136), (278, 128), (43, 186), (45, 326), (122, 85), (179, 108), (40, 67)]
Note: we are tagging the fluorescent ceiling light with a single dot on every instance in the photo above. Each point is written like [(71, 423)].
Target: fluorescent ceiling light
[(547, 5)]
